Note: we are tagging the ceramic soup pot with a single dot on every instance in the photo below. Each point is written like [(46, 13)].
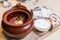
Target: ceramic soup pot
[(17, 22)]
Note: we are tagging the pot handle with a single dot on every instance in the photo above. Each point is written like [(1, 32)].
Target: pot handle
[(21, 6), (18, 6)]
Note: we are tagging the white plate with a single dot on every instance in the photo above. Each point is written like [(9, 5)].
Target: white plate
[(42, 24)]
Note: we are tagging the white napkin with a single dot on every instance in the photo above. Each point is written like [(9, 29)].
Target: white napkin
[(42, 12)]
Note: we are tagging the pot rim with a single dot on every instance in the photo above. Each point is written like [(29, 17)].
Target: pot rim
[(13, 25)]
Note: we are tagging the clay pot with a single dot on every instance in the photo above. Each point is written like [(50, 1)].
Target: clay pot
[(17, 31)]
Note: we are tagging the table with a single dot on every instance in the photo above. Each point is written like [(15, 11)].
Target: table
[(54, 4)]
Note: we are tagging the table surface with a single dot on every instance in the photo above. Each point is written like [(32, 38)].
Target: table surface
[(53, 4)]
